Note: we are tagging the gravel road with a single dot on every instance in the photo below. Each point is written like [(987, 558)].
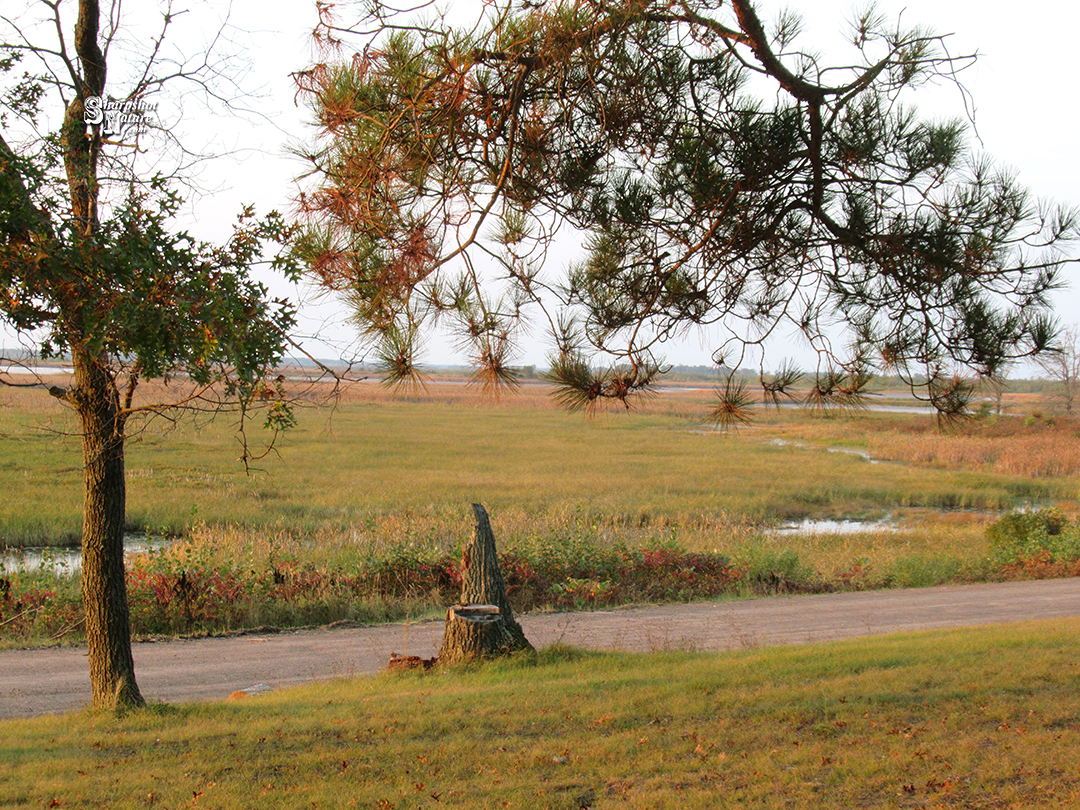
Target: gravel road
[(36, 682)]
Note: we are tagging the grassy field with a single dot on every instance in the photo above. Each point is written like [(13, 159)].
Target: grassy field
[(372, 497), (360, 512), (973, 718), (372, 456)]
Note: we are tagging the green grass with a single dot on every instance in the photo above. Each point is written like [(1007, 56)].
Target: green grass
[(371, 459), (375, 489), (968, 718)]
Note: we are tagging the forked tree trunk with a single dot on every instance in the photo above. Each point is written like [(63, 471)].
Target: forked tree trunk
[(483, 625), (97, 402), (104, 589)]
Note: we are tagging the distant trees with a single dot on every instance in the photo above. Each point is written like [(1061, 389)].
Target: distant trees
[(1062, 365), (718, 175), (90, 270)]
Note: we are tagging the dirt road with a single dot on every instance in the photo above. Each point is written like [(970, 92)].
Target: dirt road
[(55, 680)]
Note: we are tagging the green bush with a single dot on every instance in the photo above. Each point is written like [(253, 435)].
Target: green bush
[(771, 571), (1022, 536)]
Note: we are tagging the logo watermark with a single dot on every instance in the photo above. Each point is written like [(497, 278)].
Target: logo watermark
[(114, 117)]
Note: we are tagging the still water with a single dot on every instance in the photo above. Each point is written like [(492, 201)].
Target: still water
[(66, 560), (809, 526)]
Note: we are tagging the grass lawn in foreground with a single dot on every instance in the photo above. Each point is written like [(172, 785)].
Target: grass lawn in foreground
[(968, 718)]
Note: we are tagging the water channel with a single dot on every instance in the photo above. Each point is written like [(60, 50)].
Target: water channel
[(66, 560)]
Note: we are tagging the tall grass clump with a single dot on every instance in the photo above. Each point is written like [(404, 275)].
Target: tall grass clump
[(42, 606), (387, 567)]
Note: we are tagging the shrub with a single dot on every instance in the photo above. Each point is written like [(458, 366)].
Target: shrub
[(1045, 535), (30, 609), (181, 590), (772, 571)]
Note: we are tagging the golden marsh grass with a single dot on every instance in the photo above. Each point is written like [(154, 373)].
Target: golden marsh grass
[(374, 473)]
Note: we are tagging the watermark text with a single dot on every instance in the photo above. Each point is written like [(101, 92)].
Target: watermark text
[(115, 117)]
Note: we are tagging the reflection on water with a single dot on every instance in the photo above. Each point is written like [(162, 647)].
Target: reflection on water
[(809, 526), (64, 561)]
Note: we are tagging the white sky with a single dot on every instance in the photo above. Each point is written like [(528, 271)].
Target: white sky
[(1023, 90)]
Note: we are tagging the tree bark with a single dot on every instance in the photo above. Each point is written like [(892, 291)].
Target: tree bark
[(82, 144), (104, 587), (482, 580), (483, 625), (475, 631)]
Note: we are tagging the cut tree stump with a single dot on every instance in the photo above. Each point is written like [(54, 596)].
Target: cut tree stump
[(482, 625), (474, 631)]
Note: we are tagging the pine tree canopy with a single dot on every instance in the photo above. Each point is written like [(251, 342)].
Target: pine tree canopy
[(703, 168)]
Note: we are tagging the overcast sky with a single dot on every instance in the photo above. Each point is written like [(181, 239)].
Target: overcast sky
[(1023, 88)]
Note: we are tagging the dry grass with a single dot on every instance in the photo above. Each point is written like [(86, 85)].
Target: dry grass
[(373, 457), (378, 474), (1046, 454), (1024, 447)]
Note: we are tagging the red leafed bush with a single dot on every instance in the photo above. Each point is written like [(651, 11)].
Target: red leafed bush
[(186, 601), (177, 595)]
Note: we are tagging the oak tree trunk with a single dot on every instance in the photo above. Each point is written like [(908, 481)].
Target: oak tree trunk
[(104, 588), (483, 625)]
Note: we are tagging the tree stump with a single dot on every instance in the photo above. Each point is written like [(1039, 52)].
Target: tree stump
[(482, 625), (474, 631)]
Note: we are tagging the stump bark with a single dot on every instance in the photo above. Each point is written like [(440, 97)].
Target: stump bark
[(483, 624)]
